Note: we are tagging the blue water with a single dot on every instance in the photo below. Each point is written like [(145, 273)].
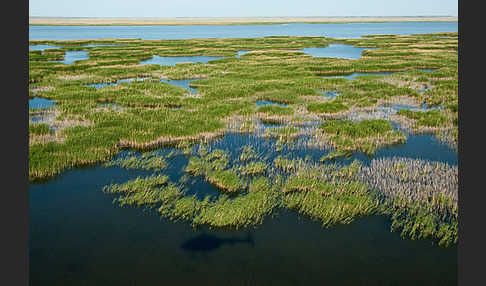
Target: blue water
[(38, 102), (172, 61), (330, 94), (336, 51), (42, 47), (356, 74), (184, 83), (240, 53), (268, 102), (351, 30), (103, 84), (74, 56), (424, 107)]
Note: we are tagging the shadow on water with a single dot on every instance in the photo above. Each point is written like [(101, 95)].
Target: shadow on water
[(207, 242), (78, 236)]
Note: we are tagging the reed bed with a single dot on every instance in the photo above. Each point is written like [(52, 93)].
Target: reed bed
[(365, 136), (421, 196), (144, 191), (39, 129), (148, 161)]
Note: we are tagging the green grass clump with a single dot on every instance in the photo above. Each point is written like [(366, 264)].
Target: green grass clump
[(285, 164), (241, 211), (147, 161), (430, 118), (248, 154), (39, 129), (333, 155), (216, 160), (144, 191), (365, 136), (287, 132), (254, 168), (226, 180), (417, 221), (332, 209), (327, 107), (360, 129), (331, 198)]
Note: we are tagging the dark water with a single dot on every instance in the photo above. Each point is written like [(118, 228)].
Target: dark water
[(336, 51), (72, 56), (38, 102), (79, 237), (351, 30), (172, 61)]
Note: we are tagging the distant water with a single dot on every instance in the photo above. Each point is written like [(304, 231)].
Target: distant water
[(351, 30), (172, 61), (74, 56), (336, 51), (42, 47)]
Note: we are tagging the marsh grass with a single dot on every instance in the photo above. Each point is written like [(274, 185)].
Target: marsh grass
[(430, 118), (365, 136), (158, 114), (327, 107), (421, 197), (39, 129), (147, 161)]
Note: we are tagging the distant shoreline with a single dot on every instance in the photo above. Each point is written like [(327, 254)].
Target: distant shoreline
[(121, 21)]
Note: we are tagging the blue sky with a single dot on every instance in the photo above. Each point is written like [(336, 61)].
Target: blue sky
[(247, 8)]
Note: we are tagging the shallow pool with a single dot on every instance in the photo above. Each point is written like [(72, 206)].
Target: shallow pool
[(172, 61)]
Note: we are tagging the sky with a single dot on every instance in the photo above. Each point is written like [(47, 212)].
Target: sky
[(236, 8)]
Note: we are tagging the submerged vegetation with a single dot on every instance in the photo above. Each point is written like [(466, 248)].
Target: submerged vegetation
[(273, 84)]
